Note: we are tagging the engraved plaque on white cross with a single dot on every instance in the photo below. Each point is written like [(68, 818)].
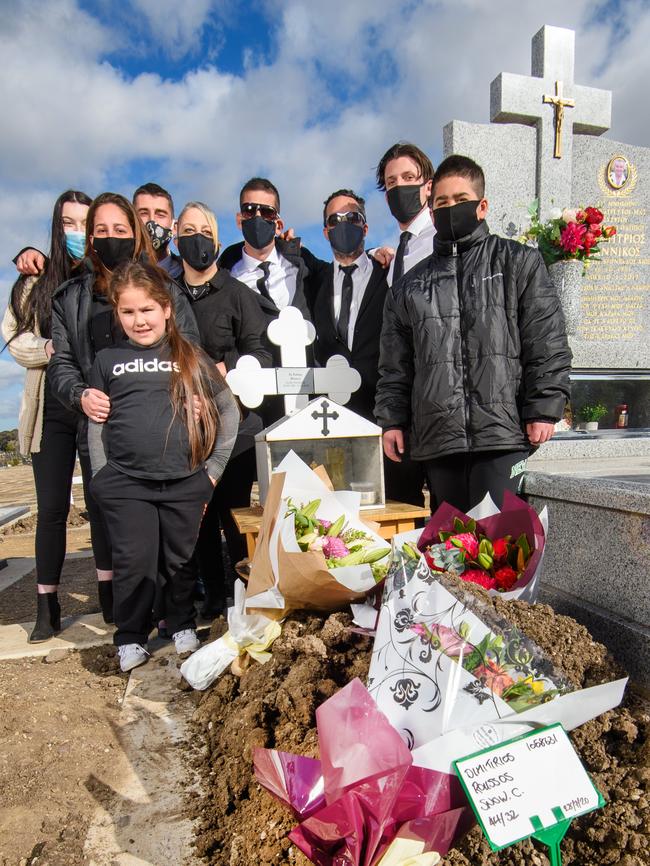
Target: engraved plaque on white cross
[(294, 380)]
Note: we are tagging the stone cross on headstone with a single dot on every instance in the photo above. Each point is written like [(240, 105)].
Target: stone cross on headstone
[(251, 382), (541, 100)]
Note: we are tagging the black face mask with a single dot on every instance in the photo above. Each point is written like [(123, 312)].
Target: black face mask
[(258, 233), (404, 201), (346, 238), (160, 236), (197, 250), (114, 251), (456, 222)]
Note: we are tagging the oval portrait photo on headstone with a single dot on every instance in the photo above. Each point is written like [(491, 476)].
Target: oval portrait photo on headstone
[(618, 172)]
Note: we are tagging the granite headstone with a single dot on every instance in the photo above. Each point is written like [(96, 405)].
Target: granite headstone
[(535, 148)]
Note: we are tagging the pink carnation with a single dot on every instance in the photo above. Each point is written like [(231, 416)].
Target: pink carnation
[(482, 578), (443, 638), (449, 641), (572, 236), (325, 523), (334, 547), (468, 541)]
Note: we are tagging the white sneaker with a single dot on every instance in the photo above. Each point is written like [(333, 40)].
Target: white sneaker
[(132, 655), (186, 642)]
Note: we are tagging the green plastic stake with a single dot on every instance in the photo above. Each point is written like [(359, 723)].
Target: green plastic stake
[(552, 836)]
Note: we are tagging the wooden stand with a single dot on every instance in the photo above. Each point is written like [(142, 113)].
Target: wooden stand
[(392, 518)]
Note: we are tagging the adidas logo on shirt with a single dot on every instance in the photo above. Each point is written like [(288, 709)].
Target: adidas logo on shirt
[(141, 366)]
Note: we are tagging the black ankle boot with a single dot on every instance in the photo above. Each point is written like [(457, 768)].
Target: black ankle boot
[(48, 617), (105, 590)]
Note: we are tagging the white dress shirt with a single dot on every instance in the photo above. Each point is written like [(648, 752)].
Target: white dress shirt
[(360, 277), (282, 276), (420, 246)]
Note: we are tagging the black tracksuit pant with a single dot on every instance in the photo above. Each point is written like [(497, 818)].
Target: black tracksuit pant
[(153, 527), (463, 479)]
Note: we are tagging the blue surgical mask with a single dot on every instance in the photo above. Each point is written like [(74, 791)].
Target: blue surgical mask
[(75, 243)]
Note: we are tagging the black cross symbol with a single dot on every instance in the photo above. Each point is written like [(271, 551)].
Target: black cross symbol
[(325, 415)]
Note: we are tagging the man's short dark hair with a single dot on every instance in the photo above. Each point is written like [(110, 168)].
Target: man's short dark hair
[(348, 193), (460, 166), (260, 184), (154, 189), (404, 148)]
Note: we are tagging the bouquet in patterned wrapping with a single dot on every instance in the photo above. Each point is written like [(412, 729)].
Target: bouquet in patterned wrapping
[(313, 551), (452, 676)]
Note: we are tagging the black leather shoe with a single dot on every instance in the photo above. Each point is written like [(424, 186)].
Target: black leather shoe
[(105, 591), (48, 618)]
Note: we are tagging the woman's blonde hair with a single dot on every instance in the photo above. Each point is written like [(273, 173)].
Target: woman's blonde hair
[(209, 217)]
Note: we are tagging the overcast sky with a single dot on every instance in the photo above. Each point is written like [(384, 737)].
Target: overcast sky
[(199, 95)]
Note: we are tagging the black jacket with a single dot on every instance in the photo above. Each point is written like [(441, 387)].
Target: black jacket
[(364, 355), (69, 370), (473, 346), (290, 250), (230, 321)]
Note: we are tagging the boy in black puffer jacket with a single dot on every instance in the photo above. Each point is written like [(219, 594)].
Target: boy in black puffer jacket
[(474, 364)]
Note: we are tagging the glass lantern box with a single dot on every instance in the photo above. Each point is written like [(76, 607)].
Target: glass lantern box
[(325, 433)]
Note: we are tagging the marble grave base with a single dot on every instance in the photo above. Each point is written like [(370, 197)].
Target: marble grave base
[(598, 551)]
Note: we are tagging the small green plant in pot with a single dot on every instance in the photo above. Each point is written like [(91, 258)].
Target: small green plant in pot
[(590, 414)]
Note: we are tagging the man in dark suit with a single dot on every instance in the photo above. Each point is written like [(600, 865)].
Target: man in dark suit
[(347, 302), (272, 267)]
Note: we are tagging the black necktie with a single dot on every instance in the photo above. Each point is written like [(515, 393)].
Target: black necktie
[(346, 302), (398, 268), (262, 283)]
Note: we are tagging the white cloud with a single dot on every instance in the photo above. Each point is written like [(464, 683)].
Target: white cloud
[(70, 118), (10, 373), (177, 27), (11, 386)]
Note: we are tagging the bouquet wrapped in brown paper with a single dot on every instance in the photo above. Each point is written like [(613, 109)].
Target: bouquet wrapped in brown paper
[(313, 551)]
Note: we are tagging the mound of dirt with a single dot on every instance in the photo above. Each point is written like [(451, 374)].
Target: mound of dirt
[(76, 517), (274, 706)]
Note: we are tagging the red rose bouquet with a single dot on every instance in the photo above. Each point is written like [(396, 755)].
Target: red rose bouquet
[(568, 234), (499, 551)]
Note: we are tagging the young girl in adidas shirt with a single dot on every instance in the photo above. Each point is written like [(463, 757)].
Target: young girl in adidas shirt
[(154, 464)]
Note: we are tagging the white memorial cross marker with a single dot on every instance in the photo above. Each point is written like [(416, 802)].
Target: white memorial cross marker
[(539, 100), (252, 382)]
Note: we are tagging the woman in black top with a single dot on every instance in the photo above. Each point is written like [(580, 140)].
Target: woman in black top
[(82, 325), (231, 324), (47, 430)]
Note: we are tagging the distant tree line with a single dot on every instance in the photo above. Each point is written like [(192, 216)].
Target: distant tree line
[(9, 454)]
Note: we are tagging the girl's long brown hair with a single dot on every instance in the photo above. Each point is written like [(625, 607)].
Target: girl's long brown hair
[(143, 250), (195, 373)]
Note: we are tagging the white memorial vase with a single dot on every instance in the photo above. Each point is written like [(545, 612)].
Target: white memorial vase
[(566, 276)]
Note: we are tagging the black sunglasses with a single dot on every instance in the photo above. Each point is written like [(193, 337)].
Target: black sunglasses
[(356, 217), (249, 209)]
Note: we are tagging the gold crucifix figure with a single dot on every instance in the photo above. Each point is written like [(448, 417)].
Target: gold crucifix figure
[(559, 105)]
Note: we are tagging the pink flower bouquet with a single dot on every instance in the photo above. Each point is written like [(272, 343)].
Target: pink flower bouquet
[(501, 551), (368, 792)]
